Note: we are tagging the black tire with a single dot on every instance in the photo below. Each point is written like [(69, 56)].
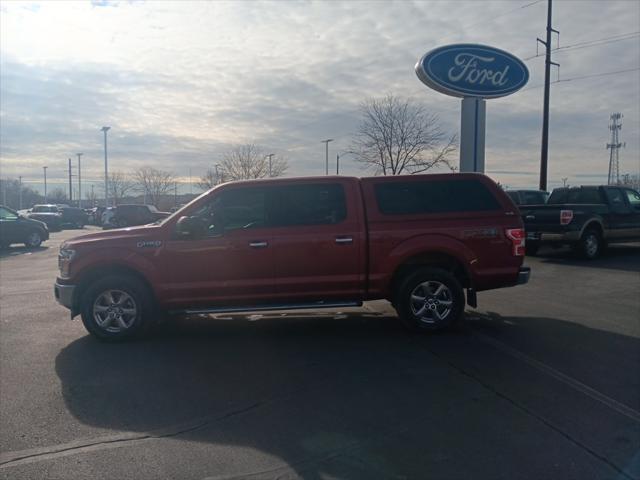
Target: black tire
[(112, 330), (531, 248), (33, 240), (590, 245), (433, 315)]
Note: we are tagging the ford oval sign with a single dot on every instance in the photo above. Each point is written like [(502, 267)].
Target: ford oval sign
[(470, 70)]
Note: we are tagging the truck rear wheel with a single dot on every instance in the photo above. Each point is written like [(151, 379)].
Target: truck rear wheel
[(430, 299), (590, 245), (116, 308)]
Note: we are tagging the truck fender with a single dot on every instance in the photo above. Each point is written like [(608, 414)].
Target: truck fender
[(116, 261), (590, 223), (426, 244)]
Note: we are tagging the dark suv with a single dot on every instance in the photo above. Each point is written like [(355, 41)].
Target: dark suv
[(129, 215)]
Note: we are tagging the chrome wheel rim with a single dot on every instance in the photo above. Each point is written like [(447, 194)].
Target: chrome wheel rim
[(591, 245), (431, 302), (114, 311)]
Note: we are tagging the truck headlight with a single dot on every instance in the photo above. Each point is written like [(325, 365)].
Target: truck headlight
[(64, 260)]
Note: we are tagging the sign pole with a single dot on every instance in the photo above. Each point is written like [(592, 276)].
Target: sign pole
[(472, 134)]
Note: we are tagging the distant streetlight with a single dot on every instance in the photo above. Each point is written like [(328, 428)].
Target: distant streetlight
[(106, 170), (270, 156), (79, 181), (326, 161), (45, 183), (20, 193)]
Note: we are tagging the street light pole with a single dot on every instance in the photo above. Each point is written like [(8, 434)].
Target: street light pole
[(20, 193), (106, 171), (326, 160), (270, 156), (45, 183), (79, 181)]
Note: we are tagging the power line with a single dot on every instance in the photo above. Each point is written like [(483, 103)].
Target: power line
[(591, 43), (583, 77), (508, 12), (587, 42)]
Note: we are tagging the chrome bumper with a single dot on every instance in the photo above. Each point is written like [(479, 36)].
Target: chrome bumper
[(523, 275), (64, 294)]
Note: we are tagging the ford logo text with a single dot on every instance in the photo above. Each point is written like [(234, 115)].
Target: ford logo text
[(469, 70)]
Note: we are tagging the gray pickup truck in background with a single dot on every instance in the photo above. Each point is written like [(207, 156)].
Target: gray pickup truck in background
[(587, 218)]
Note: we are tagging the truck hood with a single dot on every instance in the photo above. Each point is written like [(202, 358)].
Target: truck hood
[(119, 236)]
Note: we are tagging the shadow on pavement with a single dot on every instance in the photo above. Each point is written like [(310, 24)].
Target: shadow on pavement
[(616, 257), (15, 250), (344, 396)]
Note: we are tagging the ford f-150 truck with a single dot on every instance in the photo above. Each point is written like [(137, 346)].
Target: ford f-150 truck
[(418, 241), (586, 218)]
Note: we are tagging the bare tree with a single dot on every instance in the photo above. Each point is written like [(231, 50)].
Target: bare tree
[(58, 195), (396, 137), (119, 185), (210, 179), (154, 183), (91, 197), (245, 162)]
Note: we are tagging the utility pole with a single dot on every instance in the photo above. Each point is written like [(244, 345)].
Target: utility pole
[(79, 181), (270, 156), (70, 186), (326, 144), (175, 194), (93, 198), (614, 146), (20, 193), (106, 171), (544, 154), (45, 183)]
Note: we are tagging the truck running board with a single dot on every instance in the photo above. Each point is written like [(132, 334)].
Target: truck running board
[(271, 307)]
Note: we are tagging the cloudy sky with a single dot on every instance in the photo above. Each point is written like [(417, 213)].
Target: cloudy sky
[(180, 82)]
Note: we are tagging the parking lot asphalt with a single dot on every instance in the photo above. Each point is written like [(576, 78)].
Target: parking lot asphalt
[(542, 382)]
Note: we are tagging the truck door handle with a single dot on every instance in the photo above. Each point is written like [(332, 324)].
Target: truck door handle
[(258, 244), (341, 240)]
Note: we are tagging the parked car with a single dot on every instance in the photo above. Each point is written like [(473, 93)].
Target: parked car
[(49, 214), (16, 228), (131, 215), (528, 197), (586, 218), (418, 241), (74, 217)]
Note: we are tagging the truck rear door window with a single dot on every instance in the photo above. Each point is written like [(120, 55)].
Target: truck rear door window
[(309, 204), (402, 198)]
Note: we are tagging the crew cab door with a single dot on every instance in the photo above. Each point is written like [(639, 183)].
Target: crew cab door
[(232, 261), (633, 198), (318, 241), (621, 215)]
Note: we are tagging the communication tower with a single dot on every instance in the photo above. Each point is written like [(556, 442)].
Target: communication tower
[(614, 146)]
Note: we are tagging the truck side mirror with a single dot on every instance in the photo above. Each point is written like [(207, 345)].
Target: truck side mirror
[(187, 227)]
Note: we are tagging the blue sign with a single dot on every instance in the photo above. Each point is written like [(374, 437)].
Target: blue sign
[(470, 70)]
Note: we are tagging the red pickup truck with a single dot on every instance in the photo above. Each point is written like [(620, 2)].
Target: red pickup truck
[(418, 241)]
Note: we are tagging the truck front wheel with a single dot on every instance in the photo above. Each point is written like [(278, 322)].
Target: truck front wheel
[(430, 299), (116, 308)]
